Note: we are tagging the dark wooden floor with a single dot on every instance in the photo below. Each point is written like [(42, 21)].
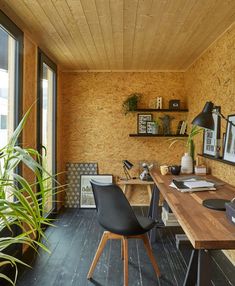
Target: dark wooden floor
[(73, 243)]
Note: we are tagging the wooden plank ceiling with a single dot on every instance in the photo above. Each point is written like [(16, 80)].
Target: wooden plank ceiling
[(124, 34)]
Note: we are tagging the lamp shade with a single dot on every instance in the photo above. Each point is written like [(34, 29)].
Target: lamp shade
[(127, 164), (205, 118)]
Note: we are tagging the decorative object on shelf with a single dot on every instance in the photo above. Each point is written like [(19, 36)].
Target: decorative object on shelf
[(229, 148), (145, 175), (230, 210), (211, 138), (174, 104), (183, 128), (142, 122), (166, 121), (127, 165), (187, 164), (73, 180), (87, 198), (179, 126), (158, 104), (152, 127), (130, 104)]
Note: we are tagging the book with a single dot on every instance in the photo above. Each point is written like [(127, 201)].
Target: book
[(182, 187), (179, 127), (183, 127)]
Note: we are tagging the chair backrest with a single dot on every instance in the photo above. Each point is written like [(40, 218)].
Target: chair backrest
[(114, 211)]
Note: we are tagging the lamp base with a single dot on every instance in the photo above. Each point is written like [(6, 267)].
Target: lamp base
[(215, 204)]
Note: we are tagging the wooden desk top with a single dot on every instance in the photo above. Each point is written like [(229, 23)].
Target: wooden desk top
[(205, 228), (134, 182)]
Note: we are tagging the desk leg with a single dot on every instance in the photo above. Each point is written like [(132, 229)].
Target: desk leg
[(154, 211), (198, 272)]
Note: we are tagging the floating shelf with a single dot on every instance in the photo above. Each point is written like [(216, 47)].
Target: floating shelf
[(158, 135), (160, 110), (221, 160)]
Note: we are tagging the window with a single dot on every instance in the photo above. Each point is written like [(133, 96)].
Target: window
[(47, 122), (11, 39), (10, 77)]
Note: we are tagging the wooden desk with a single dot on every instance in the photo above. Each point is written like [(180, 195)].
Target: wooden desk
[(205, 228), (130, 183)]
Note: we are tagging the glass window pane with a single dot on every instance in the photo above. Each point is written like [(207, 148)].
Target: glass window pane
[(47, 127), (7, 90)]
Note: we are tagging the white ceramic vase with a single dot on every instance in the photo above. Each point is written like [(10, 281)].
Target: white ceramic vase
[(186, 164)]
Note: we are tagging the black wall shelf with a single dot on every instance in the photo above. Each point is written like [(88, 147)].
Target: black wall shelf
[(158, 135), (160, 110), (221, 160)]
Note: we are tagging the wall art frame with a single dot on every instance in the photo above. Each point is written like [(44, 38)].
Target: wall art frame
[(229, 145), (86, 194), (211, 138), (142, 122)]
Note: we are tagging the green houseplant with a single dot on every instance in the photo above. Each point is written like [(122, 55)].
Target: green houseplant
[(24, 207), (188, 141), (130, 104)]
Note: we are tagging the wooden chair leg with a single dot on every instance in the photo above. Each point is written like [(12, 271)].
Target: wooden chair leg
[(122, 249), (99, 251), (125, 250), (149, 192), (150, 253)]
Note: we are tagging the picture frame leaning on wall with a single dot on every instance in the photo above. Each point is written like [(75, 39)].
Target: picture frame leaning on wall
[(211, 138), (229, 145)]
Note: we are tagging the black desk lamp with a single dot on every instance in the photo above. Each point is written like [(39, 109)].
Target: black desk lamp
[(205, 120), (127, 165)]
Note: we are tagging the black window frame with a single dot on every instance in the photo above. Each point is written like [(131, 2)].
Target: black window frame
[(14, 31), (43, 58)]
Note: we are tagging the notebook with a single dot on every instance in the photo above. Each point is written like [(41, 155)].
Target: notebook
[(192, 186)]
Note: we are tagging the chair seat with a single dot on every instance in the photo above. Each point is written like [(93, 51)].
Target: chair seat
[(146, 223)]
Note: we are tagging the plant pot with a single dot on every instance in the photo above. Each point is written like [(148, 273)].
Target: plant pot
[(186, 164)]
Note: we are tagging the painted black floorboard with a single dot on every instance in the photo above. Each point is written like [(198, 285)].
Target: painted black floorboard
[(73, 243)]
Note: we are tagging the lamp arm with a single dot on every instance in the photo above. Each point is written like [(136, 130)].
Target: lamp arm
[(128, 176), (222, 116)]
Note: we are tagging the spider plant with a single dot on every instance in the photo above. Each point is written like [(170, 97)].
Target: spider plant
[(188, 141), (20, 205)]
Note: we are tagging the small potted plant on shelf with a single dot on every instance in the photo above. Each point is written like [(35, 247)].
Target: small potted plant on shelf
[(130, 104)]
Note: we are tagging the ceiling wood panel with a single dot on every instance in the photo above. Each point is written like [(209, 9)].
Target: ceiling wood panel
[(124, 34)]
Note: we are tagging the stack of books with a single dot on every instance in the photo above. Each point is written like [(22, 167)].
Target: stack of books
[(192, 185), (168, 217)]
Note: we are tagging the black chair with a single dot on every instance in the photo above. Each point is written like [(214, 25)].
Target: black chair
[(118, 219)]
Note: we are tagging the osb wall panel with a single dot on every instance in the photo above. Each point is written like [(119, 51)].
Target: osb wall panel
[(212, 78), (95, 129)]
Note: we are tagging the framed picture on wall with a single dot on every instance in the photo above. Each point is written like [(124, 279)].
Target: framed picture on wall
[(151, 127), (87, 198), (142, 122), (211, 138), (229, 145)]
